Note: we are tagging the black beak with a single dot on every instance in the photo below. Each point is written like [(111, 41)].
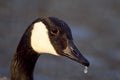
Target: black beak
[(73, 53)]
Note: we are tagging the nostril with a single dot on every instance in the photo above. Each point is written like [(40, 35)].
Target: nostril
[(75, 53)]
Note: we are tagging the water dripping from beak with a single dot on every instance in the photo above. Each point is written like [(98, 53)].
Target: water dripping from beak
[(86, 70)]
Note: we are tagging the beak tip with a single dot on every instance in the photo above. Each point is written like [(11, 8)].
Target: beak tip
[(86, 63)]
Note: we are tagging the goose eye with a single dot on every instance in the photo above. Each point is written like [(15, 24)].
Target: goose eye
[(55, 31)]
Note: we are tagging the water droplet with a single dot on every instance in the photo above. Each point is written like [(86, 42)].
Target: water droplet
[(86, 69)]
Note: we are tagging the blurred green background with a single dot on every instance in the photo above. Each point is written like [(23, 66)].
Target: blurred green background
[(95, 26)]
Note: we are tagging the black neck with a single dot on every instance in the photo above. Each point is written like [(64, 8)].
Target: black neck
[(24, 60), (22, 66)]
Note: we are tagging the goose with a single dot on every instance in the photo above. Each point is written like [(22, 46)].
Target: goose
[(45, 35)]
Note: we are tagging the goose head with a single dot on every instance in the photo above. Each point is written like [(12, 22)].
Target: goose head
[(44, 35), (53, 36)]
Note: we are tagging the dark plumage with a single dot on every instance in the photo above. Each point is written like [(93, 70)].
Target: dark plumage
[(60, 39)]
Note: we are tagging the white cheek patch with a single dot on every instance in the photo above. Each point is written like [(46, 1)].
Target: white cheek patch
[(40, 41)]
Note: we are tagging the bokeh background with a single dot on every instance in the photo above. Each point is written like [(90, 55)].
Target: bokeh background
[(95, 26)]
